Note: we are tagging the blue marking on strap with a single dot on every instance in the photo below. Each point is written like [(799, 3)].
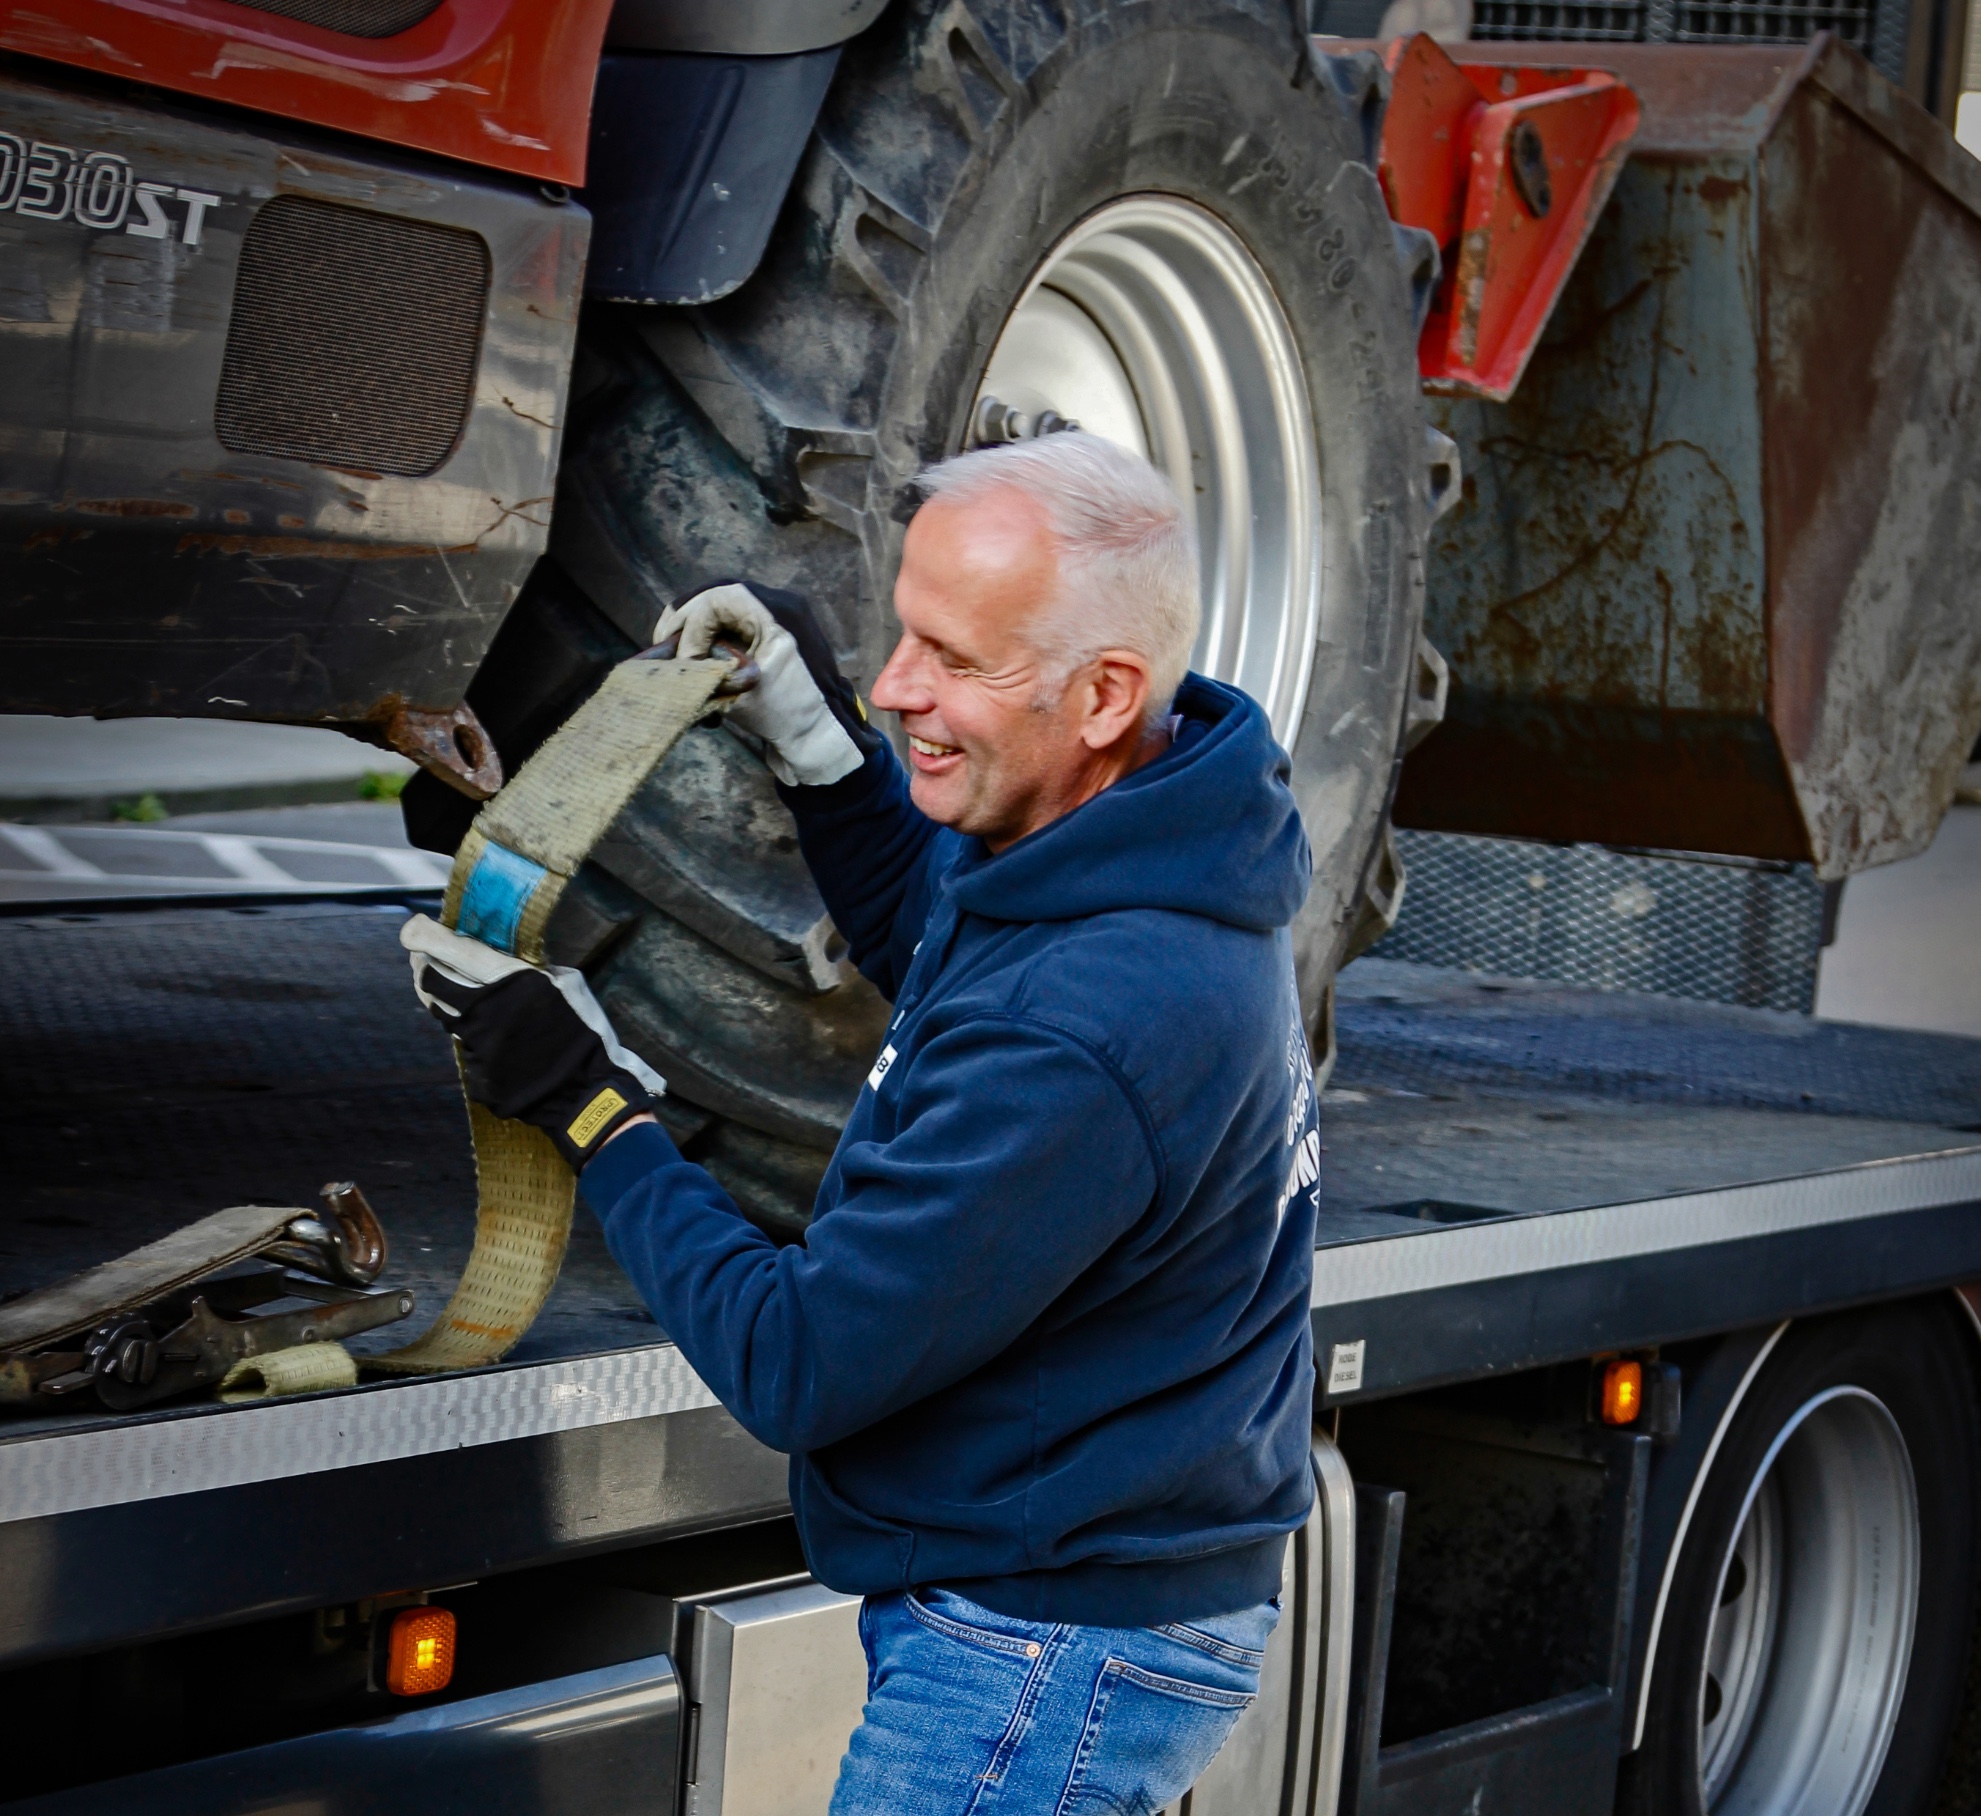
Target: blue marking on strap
[(498, 890)]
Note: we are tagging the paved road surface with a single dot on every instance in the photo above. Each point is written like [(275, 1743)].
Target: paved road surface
[(1908, 946), (69, 770)]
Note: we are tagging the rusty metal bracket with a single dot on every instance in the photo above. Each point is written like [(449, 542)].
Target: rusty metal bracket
[(1507, 168), (452, 744)]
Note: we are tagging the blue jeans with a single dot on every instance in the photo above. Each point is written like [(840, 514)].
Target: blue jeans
[(970, 1711)]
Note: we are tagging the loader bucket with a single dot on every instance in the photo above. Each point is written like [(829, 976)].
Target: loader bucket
[(1715, 583)]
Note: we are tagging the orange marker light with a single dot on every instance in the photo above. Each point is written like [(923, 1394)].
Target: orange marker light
[(421, 1659), (1623, 1392)]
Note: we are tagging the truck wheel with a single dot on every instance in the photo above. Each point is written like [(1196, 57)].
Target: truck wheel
[(1155, 222), (1815, 1641)]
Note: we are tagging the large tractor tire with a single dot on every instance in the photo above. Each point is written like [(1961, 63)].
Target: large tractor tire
[(1157, 220)]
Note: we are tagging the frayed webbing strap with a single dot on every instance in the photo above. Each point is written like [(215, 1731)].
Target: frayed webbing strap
[(310, 1368), (523, 849)]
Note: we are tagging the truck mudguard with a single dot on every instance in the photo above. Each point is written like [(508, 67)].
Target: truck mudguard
[(690, 160)]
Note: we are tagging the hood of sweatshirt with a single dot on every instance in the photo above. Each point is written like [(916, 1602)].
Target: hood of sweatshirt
[(1209, 828)]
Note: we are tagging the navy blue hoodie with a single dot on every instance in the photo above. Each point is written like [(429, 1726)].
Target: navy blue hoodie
[(1046, 1342)]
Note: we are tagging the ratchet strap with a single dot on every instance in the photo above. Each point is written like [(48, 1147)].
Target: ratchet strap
[(72, 1306), (525, 846)]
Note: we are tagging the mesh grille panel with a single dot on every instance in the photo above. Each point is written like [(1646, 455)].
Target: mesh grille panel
[(1677, 21), (354, 338), (1726, 932), (1739, 21), (354, 18), (1604, 21)]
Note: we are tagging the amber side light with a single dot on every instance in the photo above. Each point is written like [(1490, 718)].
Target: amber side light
[(420, 1658), (1623, 1392)]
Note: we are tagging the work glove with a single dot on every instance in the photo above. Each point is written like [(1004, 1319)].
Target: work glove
[(535, 1046), (813, 727)]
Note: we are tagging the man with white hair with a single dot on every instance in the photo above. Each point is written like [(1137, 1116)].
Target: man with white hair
[(1042, 1362)]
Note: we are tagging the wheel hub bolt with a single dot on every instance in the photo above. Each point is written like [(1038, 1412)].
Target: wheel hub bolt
[(996, 422)]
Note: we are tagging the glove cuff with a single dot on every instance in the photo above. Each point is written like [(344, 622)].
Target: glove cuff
[(585, 1120)]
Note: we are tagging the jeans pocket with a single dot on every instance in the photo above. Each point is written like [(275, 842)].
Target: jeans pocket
[(1239, 1639), (955, 1618), (1148, 1739)]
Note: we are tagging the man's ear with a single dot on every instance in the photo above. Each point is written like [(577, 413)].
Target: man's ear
[(1117, 688)]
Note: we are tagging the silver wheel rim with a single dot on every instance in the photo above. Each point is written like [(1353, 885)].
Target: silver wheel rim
[(1151, 323), (1813, 1618)]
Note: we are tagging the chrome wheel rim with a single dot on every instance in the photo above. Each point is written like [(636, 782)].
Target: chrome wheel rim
[(1813, 1618), (1151, 323)]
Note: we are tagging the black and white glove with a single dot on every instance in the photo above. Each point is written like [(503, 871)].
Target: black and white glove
[(535, 1046), (813, 727)]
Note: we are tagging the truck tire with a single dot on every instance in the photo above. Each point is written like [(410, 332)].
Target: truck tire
[(1158, 220), (1814, 1649)]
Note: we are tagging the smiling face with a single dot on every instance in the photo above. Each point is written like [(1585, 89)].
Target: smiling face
[(990, 750)]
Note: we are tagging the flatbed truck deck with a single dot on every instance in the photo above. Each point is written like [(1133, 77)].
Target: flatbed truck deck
[(1515, 1175)]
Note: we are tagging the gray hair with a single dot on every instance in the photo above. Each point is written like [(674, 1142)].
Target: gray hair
[(1127, 552)]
